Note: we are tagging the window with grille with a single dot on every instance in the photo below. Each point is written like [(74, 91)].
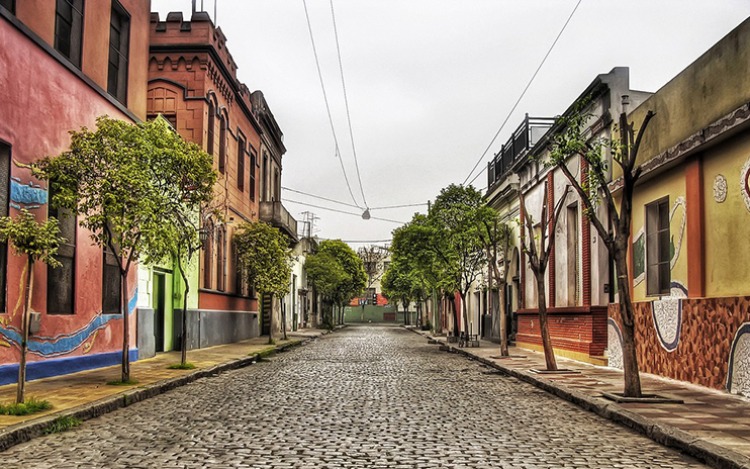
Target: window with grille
[(61, 280), (69, 29), (111, 286), (222, 143), (253, 163), (4, 200), (220, 260), (658, 247), (241, 163), (119, 35)]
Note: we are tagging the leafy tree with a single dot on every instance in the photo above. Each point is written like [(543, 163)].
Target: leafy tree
[(111, 178), (405, 283), (355, 279), (265, 261), (38, 242), (325, 273), (456, 221), (187, 185), (593, 187), (539, 259)]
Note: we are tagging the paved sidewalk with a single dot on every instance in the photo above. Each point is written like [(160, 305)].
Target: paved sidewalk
[(711, 425), (86, 394)]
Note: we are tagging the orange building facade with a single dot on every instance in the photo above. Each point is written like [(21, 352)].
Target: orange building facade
[(63, 64)]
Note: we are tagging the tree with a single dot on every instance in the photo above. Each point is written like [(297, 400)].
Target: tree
[(355, 277), (38, 242), (594, 187), (325, 273), (372, 257), (265, 261), (499, 237), (539, 259), (456, 220), (109, 177), (187, 184)]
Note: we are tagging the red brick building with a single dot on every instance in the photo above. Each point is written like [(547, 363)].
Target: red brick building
[(193, 83), (62, 64)]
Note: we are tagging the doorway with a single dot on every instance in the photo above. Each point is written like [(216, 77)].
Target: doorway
[(159, 298)]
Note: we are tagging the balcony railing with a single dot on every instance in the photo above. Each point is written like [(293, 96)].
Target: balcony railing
[(275, 214), (520, 142)]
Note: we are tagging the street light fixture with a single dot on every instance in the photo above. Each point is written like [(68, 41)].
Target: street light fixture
[(366, 214)]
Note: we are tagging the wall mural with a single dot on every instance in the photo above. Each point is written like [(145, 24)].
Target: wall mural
[(745, 183), (738, 379), (63, 344), (675, 245), (614, 344), (639, 257), (26, 195), (720, 188), (667, 316)]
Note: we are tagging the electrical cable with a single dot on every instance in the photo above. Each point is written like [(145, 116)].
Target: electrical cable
[(320, 197), (346, 104), (328, 107), (342, 211), (399, 206), (518, 101)]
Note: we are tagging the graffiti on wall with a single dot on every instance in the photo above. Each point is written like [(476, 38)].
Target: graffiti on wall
[(64, 344)]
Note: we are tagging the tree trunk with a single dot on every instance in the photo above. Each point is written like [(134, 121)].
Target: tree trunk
[(24, 331), (270, 321), (465, 311), (549, 354), (283, 319), (503, 321), (632, 385), (183, 322), (125, 327), (452, 301)]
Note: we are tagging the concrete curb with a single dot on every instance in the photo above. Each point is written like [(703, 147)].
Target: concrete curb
[(25, 431), (667, 435)]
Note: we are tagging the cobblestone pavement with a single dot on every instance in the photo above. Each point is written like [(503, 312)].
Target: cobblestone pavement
[(371, 397)]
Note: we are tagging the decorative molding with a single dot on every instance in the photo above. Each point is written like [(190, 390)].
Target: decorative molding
[(720, 188), (745, 183)]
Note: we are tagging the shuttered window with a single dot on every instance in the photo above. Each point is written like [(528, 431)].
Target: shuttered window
[(69, 29)]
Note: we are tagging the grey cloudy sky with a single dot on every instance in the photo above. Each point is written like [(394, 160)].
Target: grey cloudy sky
[(429, 82)]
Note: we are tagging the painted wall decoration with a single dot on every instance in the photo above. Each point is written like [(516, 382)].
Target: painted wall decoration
[(614, 344), (720, 188), (745, 183), (738, 381), (639, 257), (702, 355), (667, 316), (63, 344), (26, 195), (677, 247)]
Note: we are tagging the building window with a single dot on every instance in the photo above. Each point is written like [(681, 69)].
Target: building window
[(276, 185), (220, 260), (253, 162), (222, 143), (119, 32), (264, 179), (69, 29), (61, 280), (207, 256), (658, 253), (9, 5), (111, 286), (211, 123), (4, 200), (241, 163)]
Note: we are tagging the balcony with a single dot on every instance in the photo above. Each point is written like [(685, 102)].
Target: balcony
[(275, 214), (518, 145)]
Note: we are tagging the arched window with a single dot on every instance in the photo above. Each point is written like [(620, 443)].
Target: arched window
[(207, 254), (211, 123), (222, 143), (221, 259)]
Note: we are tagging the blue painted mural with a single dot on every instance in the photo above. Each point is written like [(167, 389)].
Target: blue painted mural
[(27, 195)]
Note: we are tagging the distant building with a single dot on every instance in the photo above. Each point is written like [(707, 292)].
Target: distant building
[(63, 66)]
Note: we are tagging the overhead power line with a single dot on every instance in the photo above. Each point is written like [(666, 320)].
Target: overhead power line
[(342, 211), (328, 107), (346, 104), (523, 93), (399, 206), (348, 204)]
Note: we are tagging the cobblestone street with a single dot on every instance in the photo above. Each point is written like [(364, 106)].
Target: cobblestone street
[(361, 397)]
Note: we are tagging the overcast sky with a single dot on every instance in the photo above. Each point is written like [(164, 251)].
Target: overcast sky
[(429, 82)]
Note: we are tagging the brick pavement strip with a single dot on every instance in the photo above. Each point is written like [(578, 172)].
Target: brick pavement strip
[(34, 426), (374, 397), (667, 435)]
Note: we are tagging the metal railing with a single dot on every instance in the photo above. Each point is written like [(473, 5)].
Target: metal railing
[(278, 216), (520, 142)]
